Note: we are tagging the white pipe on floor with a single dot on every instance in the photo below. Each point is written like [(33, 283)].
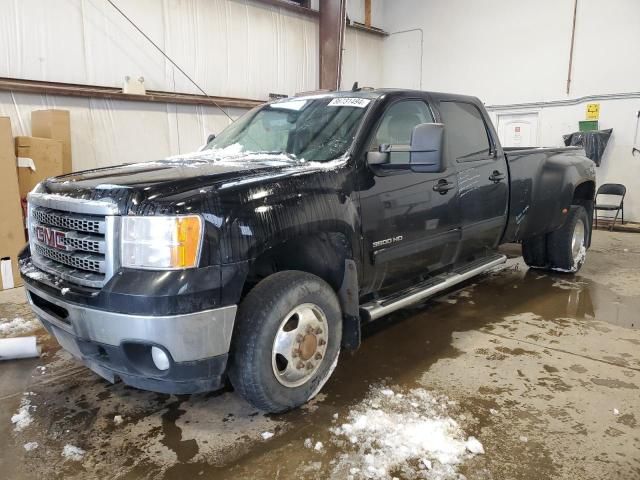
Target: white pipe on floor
[(21, 347)]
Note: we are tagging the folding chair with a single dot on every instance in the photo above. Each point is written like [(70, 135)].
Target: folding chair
[(616, 189)]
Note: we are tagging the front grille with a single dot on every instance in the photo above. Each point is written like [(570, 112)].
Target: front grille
[(86, 243), (89, 262), (72, 245), (68, 220)]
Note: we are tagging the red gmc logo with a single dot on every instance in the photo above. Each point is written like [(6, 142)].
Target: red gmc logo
[(49, 236)]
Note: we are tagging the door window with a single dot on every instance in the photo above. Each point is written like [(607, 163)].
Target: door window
[(466, 136), (397, 124)]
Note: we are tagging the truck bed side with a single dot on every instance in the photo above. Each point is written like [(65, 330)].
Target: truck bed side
[(543, 183)]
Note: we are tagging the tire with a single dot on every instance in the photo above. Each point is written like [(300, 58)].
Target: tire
[(534, 251), (287, 312), (566, 247)]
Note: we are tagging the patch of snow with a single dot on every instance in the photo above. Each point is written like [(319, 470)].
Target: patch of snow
[(493, 411), (409, 433), (387, 392), (474, 446), (318, 446), (72, 452), (266, 435), (308, 443), (17, 326), (616, 411), (23, 418), (64, 291), (109, 186), (30, 446), (118, 420)]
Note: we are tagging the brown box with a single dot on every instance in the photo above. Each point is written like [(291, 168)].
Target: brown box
[(38, 159), (11, 226), (54, 124)]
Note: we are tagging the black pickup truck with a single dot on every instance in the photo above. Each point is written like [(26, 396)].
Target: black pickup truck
[(258, 258)]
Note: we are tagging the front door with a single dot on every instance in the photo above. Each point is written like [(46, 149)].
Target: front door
[(410, 220), (482, 177)]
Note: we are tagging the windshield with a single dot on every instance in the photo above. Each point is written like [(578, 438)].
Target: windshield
[(315, 129)]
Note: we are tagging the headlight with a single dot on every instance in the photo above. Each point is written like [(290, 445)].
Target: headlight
[(161, 242)]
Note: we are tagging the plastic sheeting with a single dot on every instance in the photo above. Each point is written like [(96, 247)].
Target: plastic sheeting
[(594, 143), (239, 48), (107, 132), (230, 47)]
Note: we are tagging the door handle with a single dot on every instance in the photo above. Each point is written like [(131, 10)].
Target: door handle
[(443, 186), (496, 176)]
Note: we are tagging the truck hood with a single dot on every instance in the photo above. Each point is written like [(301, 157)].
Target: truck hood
[(180, 176)]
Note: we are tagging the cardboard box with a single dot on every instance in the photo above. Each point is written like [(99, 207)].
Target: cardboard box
[(54, 124), (12, 238), (38, 159)]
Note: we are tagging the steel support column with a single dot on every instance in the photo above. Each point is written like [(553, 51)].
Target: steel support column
[(332, 25)]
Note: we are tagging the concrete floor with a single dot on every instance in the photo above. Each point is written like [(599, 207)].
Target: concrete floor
[(532, 364)]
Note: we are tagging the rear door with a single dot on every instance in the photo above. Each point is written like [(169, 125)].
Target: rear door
[(410, 228), (482, 176)]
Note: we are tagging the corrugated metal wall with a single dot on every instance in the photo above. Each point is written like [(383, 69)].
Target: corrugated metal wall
[(236, 48)]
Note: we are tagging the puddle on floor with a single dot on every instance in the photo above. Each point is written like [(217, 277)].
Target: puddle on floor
[(218, 435)]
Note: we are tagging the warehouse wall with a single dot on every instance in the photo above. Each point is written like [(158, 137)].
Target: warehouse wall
[(108, 132), (509, 52), (361, 59), (221, 43), (237, 48)]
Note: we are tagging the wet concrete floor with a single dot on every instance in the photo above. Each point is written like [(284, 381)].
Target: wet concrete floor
[(544, 369)]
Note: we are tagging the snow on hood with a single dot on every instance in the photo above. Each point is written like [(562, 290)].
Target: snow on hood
[(235, 153)]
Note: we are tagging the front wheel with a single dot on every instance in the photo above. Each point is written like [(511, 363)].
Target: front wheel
[(286, 341), (567, 246)]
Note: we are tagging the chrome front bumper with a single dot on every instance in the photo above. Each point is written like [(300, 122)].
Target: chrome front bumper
[(187, 337)]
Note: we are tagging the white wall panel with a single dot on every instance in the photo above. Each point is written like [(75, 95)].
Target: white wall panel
[(362, 59), (236, 48), (508, 52), (108, 132), (240, 48)]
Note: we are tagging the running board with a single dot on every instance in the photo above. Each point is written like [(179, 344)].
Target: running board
[(382, 306)]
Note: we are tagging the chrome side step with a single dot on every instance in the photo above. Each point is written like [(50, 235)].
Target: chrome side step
[(382, 306)]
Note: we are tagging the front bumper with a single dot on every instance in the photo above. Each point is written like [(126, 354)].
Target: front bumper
[(118, 345)]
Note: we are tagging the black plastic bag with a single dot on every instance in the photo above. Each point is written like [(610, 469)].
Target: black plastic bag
[(593, 142)]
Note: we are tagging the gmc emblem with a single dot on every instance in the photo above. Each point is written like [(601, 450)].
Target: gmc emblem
[(50, 237)]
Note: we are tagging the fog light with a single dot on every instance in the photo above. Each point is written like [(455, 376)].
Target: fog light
[(160, 359)]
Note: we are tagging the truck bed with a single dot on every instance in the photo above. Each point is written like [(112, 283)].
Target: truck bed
[(542, 182)]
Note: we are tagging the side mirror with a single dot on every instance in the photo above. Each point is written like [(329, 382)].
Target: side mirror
[(426, 148), (211, 137)]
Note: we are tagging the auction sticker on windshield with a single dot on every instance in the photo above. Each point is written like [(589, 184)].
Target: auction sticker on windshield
[(349, 102)]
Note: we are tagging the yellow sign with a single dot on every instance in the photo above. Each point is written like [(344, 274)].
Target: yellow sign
[(593, 111)]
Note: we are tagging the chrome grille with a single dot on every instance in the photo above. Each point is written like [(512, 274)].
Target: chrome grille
[(91, 263), (85, 243), (70, 243), (68, 220)]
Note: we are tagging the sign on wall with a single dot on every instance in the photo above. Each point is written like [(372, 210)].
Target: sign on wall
[(593, 111)]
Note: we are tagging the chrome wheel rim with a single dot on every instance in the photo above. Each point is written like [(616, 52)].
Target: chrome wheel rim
[(300, 345), (577, 241)]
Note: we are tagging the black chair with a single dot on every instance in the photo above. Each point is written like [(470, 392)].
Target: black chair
[(611, 189)]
